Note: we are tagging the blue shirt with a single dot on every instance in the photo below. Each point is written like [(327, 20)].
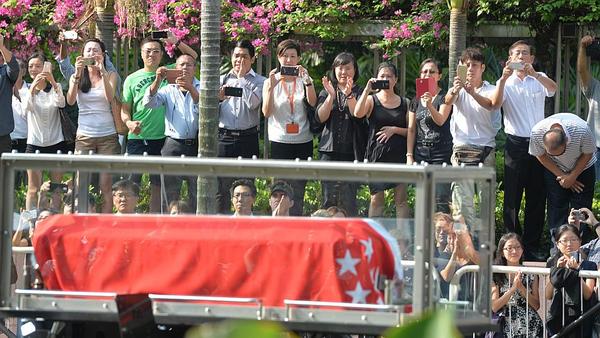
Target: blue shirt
[(181, 114), (8, 76), (240, 113)]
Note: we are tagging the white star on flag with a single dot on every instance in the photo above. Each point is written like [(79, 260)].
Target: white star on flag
[(359, 295), (348, 263), (368, 248)]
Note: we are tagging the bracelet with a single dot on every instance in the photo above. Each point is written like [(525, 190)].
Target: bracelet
[(351, 96), (177, 43), (596, 225), (538, 76), (308, 84), (409, 154)]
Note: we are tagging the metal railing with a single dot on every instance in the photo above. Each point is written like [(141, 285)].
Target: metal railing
[(542, 273)]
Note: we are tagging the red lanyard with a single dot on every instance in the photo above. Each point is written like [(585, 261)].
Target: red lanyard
[(290, 97)]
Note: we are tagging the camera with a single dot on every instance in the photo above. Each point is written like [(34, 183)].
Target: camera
[(579, 215), (289, 71), (381, 84), (70, 35), (515, 65), (233, 91), (29, 215), (156, 35), (59, 186), (593, 50)]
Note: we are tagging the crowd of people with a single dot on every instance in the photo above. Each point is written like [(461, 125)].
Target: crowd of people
[(552, 160)]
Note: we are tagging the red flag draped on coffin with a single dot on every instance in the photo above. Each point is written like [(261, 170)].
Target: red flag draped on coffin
[(268, 258)]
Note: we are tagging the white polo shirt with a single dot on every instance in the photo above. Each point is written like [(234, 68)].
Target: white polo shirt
[(473, 124), (523, 104)]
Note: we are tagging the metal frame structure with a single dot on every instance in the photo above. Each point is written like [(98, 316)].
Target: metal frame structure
[(297, 314)]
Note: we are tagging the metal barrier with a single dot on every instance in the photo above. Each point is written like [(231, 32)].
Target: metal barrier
[(542, 273), (424, 179)]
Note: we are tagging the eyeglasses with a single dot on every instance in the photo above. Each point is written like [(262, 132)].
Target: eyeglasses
[(512, 248), (151, 51), (241, 194), (121, 195), (566, 241)]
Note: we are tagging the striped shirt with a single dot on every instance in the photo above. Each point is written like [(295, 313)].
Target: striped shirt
[(580, 140)]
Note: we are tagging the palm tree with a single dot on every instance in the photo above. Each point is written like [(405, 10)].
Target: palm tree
[(105, 25), (458, 33), (210, 62)]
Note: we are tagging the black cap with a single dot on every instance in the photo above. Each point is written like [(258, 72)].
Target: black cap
[(284, 187)]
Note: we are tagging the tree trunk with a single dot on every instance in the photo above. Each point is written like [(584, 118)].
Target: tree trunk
[(458, 39), (210, 62), (105, 24)]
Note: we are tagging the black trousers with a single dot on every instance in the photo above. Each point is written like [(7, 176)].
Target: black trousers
[(173, 147), (524, 173), (229, 145), (338, 193), (5, 144), (20, 176), (289, 151)]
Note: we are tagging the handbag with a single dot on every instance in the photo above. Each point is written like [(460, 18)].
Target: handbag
[(499, 320), (314, 125), (68, 127)]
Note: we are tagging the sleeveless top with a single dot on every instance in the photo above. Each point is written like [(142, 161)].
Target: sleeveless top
[(394, 150), (95, 114), (282, 114)]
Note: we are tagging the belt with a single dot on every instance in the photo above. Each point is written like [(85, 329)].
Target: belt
[(521, 138), (14, 142), (430, 144), (186, 141), (233, 132)]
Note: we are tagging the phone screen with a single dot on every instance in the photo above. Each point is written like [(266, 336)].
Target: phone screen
[(159, 35), (289, 71), (381, 84), (461, 72)]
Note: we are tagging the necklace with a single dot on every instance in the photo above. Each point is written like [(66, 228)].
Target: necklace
[(342, 100)]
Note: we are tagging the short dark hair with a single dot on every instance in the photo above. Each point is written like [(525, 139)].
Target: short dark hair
[(389, 65), (126, 185), (522, 42), (472, 53), (554, 143), (246, 44), (243, 182), (564, 228), (149, 40), (500, 278), (288, 44), (430, 60), (37, 55), (284, 187), (343, 59)]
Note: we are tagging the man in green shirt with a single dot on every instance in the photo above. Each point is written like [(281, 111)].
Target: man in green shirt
[(146, 126)]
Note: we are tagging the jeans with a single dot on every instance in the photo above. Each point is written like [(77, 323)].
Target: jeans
[(463, 192), (561, 200)]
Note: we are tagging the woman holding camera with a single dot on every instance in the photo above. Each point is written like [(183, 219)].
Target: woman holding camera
[(515, 296), (44, 133), (287, 94), (387, 115), (93, 88), (564, 282)]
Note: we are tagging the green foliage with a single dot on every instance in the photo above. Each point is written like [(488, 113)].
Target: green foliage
[(438, 324), (239, 329)]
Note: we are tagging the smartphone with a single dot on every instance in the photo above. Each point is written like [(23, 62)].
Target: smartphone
[(47, 67), (381, 84), (459, 226), (233, 91), (289, 71), (515, 65), (173, 74), (156, 35), (425, 85), (461, 72), (59, 186), (29, 215), (89, 61), (70, 35), (574, 254), (579, 215)]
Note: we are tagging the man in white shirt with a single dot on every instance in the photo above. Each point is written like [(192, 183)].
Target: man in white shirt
[(522, 92), (243, 196), (474, 124)]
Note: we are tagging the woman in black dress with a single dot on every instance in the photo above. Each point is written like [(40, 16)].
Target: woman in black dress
[(429, 130), (387, 115)]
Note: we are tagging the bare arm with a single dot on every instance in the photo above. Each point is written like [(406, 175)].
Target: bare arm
[(582, 62), (411, 136), (268, 89), (364, 106), (73, 89), (185, 49), (549, 288)]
